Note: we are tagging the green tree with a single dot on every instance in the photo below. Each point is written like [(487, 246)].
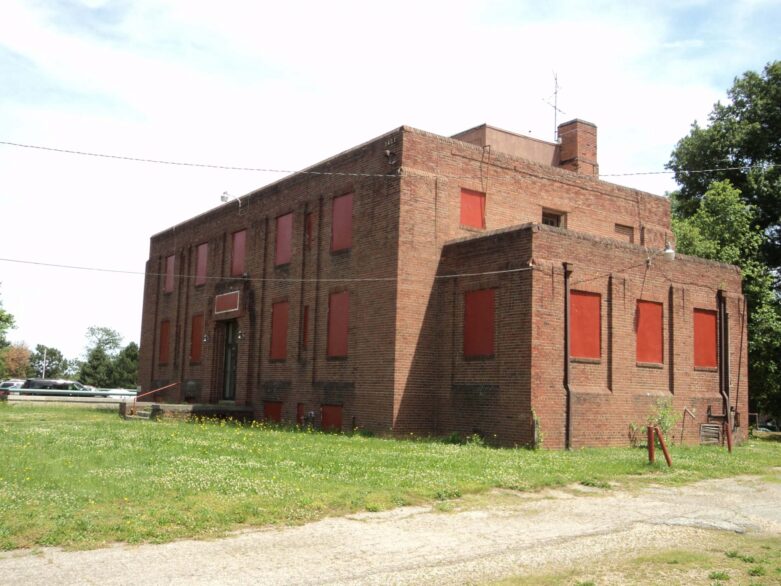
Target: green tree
[(124, 368), (743, 139), (56, 364), (96, 369), (106, 338), (106, 365), (725, 228), (6, 323)]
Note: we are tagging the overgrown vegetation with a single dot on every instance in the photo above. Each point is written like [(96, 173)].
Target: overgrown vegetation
[(81, 478), (665, 417)]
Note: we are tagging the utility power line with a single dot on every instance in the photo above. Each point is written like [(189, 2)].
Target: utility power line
[(337, 173), (256, 279)]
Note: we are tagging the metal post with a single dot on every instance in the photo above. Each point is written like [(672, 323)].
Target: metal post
[(651, 445), (664, 447), (728, 424)]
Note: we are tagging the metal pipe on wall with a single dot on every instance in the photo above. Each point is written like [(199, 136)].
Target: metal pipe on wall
[(567, 367)]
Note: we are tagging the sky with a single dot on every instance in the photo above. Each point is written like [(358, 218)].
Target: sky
[(284, 85)]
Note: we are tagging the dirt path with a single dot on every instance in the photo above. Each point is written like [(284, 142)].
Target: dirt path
[(485, 537)]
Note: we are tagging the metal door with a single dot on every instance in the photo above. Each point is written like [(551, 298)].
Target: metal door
[(229, 360)]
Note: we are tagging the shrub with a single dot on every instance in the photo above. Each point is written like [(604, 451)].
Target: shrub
[(665, 417)]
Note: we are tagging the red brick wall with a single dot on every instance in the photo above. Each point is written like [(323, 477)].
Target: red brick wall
[(490, 396), (435, 171), (362, 382), (614, 392)]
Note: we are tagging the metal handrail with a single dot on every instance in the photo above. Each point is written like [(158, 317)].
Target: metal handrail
[(133, 408)]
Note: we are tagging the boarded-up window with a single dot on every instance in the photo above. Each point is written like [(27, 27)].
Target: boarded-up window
[(284, 240), (585, 330), (705, 338), (279, 313), (168, 283), (472, 208), (479, 307), (650, 335), (201, 258), (342, 222), (237, 253), (338, 320), (625, 233), (299, 414), (331, 417), (308, 219), (164, 342), (196, 338), (305, 328), (272, 411)]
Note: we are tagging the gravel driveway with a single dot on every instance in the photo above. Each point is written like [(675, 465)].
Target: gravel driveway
[(483, 538)]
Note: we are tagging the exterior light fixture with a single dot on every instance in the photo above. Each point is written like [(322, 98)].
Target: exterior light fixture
[(205, 338), (669, 251), (240, 335)]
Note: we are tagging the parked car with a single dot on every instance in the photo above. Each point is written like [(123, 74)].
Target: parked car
[(68, 388), (13, 382), (9, 384)]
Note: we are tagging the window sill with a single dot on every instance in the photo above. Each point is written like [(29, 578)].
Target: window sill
[(656, 365), (706, 368), (195, 363), (479, 358), (472, 228), (341, 251), (200, 285), (285, 266), (277, 360), (336, 358), (580, 360)]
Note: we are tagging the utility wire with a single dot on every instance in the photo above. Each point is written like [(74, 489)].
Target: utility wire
[(181, 163), (341, 174), (256, 279)]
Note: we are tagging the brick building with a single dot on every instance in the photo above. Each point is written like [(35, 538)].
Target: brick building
[(418, 283)]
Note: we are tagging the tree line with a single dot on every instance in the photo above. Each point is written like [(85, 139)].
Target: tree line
[(106, 364), (728, 208)]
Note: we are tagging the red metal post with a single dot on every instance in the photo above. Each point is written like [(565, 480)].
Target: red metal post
[(651, 445), (664, 447), (729, 435)]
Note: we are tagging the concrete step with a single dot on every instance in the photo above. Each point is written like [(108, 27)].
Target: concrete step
[(145, 415)]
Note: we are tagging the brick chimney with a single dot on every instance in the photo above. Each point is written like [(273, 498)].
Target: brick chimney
[(578, 147)]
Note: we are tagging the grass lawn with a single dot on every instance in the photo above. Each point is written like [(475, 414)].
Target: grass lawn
[(722, 559), (83, 478)]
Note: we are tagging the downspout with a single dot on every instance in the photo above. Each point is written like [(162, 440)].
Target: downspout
[(724, 362), (567, 368)]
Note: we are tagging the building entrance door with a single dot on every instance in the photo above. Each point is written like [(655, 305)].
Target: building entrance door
[(229, 360)]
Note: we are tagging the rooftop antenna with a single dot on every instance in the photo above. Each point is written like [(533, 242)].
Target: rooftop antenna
[(555, 106)]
